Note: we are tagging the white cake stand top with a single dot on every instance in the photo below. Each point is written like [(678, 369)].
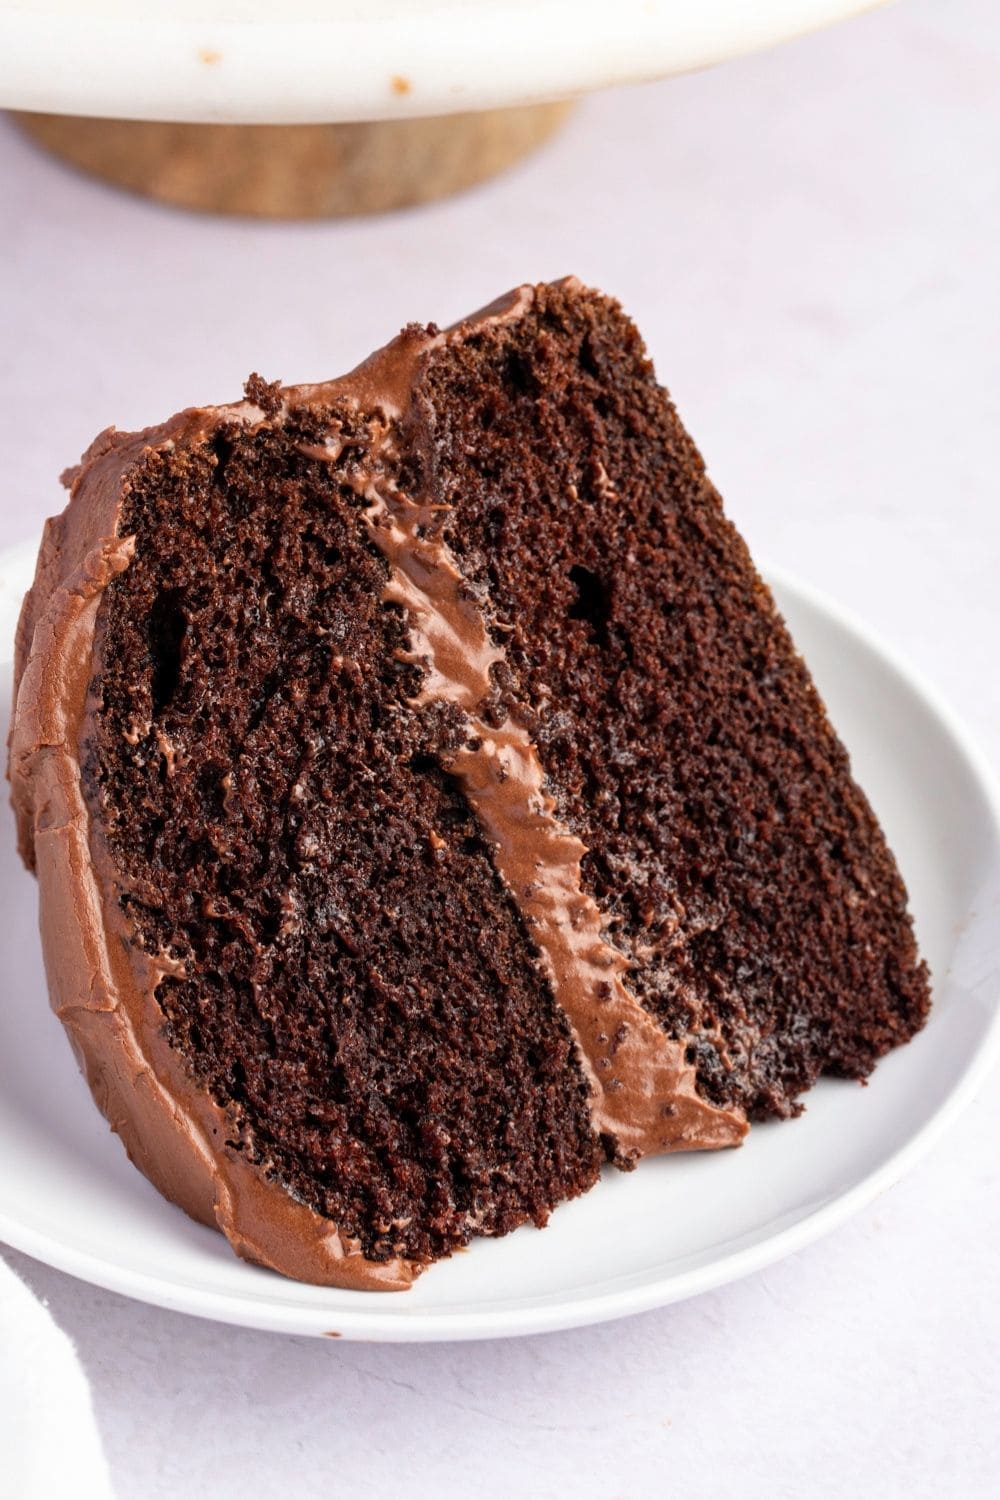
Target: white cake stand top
[(302, 61)]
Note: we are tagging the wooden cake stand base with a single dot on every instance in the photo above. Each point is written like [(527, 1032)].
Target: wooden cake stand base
[(298, 171)]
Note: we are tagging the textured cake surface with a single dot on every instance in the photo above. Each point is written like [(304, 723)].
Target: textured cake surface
[(429, 803)]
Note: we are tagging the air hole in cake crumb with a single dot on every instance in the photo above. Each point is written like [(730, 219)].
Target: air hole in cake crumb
[(519, 375), (591, 603), (589, 362), (167, 629)]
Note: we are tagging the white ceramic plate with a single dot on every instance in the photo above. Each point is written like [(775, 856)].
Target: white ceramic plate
[(69, 1196), (316, 60)]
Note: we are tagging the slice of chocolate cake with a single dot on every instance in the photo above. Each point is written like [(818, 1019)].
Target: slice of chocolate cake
[(428, 802)]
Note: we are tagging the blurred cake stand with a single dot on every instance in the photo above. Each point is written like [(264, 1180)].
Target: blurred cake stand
[(308, 108)]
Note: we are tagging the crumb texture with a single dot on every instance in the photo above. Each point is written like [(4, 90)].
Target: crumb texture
[(351, 979)]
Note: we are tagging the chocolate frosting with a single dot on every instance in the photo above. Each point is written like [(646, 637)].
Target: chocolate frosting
[(101, 983), (643, 1095)]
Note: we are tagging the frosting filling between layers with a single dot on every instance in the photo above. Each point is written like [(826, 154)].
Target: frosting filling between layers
[(643, 1095)]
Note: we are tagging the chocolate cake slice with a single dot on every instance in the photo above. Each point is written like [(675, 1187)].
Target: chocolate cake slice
[(428, 803)]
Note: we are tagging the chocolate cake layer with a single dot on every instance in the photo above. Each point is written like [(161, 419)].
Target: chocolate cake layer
[(740, 869), (351, 978), (428, 801)]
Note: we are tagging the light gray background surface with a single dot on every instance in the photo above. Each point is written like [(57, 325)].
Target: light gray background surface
[(810, 241)]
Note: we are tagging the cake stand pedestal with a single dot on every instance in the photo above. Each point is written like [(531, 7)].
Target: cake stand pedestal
[(298, 171)]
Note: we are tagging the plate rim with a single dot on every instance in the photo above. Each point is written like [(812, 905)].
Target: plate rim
[(366, 1322)]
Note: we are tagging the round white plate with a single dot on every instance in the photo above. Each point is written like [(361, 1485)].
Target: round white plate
[(677, 1226), (327, 60)]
